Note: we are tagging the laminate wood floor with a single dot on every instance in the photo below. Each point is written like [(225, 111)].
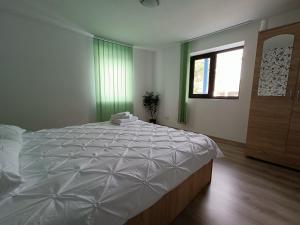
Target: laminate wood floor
[(245, 191)]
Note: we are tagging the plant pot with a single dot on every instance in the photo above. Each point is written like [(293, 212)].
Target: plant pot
[(152, 121)]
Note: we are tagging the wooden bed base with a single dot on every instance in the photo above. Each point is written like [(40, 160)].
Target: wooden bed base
[(171, 204)]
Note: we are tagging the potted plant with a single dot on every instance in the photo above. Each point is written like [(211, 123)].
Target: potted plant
[(151, 101)]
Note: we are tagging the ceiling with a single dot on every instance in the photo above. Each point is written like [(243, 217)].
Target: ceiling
[(174, 20)]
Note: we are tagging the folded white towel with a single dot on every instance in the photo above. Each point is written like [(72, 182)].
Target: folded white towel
[(121, 115), (124, 121), (113, 117)]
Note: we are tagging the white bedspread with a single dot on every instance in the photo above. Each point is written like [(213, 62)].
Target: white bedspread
[(100, 174)]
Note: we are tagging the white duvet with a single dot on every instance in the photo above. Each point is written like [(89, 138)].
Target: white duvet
[(100, 174)]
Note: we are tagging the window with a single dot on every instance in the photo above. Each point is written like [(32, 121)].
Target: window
[(216, 74)]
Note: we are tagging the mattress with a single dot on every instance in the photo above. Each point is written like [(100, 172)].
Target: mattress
[(99, 173)]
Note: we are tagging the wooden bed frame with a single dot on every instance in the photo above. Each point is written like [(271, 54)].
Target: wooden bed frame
[(172, 204)]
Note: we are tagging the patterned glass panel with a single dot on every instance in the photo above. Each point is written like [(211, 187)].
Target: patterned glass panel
[(275, 65)]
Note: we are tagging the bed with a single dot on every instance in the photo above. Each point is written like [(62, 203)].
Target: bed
[(104, 174)]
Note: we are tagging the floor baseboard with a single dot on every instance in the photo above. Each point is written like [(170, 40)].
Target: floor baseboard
[(229, 142)]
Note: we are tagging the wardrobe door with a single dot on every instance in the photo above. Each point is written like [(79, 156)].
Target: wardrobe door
[(293, 141), (273, 90)]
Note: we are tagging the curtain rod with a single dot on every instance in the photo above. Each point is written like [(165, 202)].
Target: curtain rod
[(219, 31), (112, 41)]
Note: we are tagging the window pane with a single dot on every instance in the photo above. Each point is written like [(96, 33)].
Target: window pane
[(228, 73), (201, 76)]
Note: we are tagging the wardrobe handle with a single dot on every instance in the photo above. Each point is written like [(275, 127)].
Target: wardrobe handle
[(298, 93)]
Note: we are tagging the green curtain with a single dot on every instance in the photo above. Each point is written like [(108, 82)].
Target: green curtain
[(184, 65), (113, 77)]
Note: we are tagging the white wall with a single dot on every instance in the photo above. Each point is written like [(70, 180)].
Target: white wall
[(143, 79), (220, 118), (226, 119), (166, 83), (46, 74)]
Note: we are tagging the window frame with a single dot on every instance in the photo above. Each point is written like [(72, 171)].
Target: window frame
[(212, 74)]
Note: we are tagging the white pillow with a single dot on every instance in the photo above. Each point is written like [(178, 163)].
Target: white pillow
[(10, 176), (10, 132)]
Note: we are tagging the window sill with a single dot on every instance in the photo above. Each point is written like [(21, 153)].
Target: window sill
[(220, 97)]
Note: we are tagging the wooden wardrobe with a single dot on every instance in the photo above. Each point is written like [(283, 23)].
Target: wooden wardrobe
[(274, 120)]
